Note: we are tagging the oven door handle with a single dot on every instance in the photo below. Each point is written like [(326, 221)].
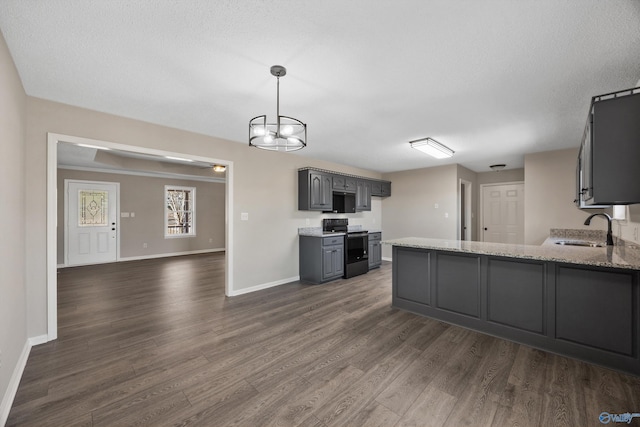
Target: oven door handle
[(350, 235)]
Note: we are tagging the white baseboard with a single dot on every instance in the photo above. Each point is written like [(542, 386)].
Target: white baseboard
[(14, 382), (40, 339), (153, 256), (384, 258), (264, 286)]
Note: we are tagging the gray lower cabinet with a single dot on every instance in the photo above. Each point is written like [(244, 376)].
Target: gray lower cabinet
[(457, 283), (375, 250), (321, 258), (411, 282), (596, 308), (515, 294), (587, 312)]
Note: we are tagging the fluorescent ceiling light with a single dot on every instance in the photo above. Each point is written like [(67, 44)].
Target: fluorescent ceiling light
[(432, 147), (178, 158), (93, 146)]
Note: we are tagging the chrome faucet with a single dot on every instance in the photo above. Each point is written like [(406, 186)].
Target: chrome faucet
[(608, 217)]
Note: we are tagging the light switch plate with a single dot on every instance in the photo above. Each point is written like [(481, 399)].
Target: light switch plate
[(244, 216), (124, 214)]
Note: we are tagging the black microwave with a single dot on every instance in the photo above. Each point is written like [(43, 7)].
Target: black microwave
[(344, 203)]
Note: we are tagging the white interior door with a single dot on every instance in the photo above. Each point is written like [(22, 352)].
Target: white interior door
[(91, 211), (503, 213)]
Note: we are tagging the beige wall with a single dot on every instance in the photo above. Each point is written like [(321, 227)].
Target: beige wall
[(144, 196), (507, 175), (411, 211), (628, 228), (265, 186), (13, 302), (549, 192)]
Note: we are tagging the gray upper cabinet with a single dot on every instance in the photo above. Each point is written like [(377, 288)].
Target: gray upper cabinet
[(314, 191), (316, 188), (381, 188), (375, 250), (608, 173), (344, 184), (363, 196)]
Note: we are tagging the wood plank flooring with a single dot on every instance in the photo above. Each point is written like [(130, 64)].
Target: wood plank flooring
[(156, 342)]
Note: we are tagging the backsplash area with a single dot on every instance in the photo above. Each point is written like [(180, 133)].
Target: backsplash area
[(629, 228), (578, 234)]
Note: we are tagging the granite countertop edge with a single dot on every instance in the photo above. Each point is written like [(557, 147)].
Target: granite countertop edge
[(621, 256), (317, 232)]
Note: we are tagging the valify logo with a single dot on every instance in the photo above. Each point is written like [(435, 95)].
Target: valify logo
[(606, 418)]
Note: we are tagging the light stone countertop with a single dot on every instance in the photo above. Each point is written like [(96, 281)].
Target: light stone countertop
[(623, 255), (317, 231)]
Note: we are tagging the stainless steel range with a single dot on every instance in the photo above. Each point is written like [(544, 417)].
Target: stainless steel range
[(356, 244)]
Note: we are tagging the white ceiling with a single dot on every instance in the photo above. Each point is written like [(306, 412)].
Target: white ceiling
[(73, 156), (492, 79)]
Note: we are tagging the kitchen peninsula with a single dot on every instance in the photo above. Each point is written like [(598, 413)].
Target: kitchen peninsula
[(581, 302)]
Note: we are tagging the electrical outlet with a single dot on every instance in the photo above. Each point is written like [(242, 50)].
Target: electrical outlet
[(144, 245), (210, 240), (446, 215)]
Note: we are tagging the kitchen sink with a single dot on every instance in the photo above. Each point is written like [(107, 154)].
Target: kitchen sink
[(579, 243)]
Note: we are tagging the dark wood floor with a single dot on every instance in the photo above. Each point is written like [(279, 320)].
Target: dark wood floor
[(156, 342)]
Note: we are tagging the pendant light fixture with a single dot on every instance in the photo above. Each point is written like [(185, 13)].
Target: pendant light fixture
[(286, 134)]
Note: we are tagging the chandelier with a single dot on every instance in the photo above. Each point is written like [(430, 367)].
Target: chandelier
[(286, 134)]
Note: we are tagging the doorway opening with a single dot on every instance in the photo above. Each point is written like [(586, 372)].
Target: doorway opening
[(52, 176), (465, 216)]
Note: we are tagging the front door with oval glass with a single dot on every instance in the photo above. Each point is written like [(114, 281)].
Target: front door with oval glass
[(91, 226)]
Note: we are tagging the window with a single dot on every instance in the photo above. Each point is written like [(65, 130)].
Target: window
[(180, 211)]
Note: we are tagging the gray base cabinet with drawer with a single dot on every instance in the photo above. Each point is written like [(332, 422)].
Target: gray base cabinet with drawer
[(587, 312), (375, 250), (321, 258)]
